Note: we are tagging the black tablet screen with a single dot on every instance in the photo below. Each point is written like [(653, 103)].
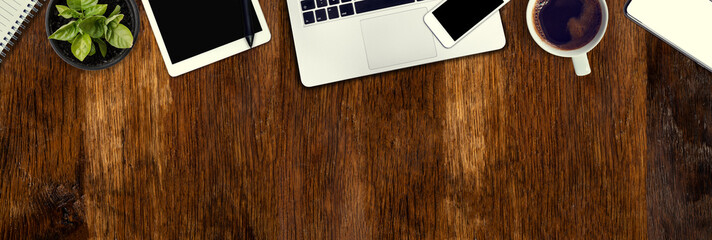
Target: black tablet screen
[(190, 28)]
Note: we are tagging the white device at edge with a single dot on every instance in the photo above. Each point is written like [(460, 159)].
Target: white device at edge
[(684, 24)]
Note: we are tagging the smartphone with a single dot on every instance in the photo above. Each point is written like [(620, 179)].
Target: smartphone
[(451, 20)]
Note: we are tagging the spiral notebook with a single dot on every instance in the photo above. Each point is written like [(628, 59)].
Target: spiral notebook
[(14, 14)]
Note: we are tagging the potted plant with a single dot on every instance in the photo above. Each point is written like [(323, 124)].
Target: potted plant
[(92, 34)]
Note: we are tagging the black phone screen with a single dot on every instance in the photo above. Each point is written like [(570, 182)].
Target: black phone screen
[(459, 16), (190, 28)]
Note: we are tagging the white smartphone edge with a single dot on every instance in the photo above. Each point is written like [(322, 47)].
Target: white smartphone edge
[(440, 32)]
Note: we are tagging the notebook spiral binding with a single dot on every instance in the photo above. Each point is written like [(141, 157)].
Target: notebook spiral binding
[(24, 19)]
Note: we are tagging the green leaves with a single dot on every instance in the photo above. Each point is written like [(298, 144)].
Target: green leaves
[(110, 29), (116, 18), (67, 12), (66, 32), (94, 26), (81, 4), (117, 10), (75, 4), (95, 10), (91, 31), (61, 8), (120, 37), (102, 46), (81, 46), (92, 51)]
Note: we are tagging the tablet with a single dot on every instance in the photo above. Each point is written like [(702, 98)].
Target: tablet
[(193, 34), (684, 24)]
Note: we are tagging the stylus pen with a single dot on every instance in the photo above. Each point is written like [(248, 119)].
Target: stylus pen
[(249, 36)]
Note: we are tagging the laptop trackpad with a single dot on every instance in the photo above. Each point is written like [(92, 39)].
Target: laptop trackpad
[(397, 38)]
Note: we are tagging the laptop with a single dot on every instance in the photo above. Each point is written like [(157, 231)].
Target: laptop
[(684, 24), (337, 40)]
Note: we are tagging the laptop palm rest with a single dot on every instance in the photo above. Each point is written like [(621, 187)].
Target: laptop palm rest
[(397, 39)]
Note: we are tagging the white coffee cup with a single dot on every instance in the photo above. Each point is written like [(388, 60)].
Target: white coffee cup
[(578, 55)]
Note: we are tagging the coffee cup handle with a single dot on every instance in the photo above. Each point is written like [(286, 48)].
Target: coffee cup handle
[(581, 65)]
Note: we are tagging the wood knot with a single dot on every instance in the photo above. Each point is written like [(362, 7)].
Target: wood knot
[(62, 207)]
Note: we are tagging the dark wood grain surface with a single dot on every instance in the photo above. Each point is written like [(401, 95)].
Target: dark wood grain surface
[(503, 145)]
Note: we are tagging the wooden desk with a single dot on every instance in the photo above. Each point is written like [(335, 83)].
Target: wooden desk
[(505, 145)]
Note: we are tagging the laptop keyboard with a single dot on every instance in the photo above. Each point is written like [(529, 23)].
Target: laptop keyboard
[(322, 10)]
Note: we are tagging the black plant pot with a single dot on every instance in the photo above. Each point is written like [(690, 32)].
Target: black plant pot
[(132, 20)]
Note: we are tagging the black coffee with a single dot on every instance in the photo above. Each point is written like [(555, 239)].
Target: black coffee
[(567, 24)]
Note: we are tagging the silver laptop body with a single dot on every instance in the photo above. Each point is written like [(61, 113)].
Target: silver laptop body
[(337, 40)]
